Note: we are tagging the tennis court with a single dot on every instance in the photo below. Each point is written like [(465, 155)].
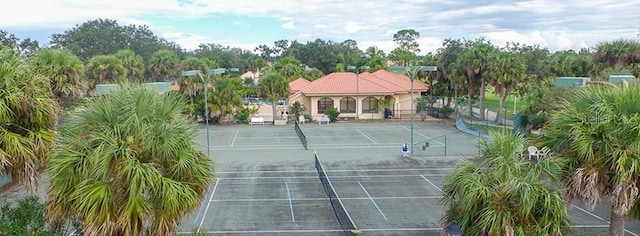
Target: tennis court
[(269, 184)]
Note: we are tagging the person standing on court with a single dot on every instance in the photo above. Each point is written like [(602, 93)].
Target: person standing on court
[(405, 150)]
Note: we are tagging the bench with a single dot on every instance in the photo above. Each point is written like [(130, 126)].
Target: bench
[(324, 119), (256, 120)]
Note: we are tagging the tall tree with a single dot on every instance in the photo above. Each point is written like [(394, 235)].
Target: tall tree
[(265, 52), (227, 95), (473, 64), (280, 47), (289, 67), (225, 56), (105, 37), (313, 74), (533, 85), (402, 57), (446, 57), (377, 63), (9, 40), (255, 63), (27, 120), (619, 52), (319, 54), (273, 86), (595, 132), (132, 63), (64, 71), (505, 194), (163, 65), (349, 54), (192, 85), (372, 51), (406, 40), (105, 70), (128, 163), (505, 70), (26, 47)]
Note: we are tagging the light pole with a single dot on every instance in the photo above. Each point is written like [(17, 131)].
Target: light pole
[(412, 72), (357, 70), (206, 107), (204, 81)]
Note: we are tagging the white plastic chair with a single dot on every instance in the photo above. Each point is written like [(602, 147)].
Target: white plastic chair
[(543, 152), (533, 152), (301, 120)]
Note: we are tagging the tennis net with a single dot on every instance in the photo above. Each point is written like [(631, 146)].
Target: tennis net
[(341, 213), (301, 135)]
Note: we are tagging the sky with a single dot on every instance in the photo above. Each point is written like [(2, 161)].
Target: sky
[(556, 25)]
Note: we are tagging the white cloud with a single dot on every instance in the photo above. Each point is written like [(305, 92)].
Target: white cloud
[(501, 38), (288, 25), (354, 27), (557, 25)]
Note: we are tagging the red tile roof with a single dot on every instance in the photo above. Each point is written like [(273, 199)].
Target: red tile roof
[(403, 80), (379, 82), (298, 84)]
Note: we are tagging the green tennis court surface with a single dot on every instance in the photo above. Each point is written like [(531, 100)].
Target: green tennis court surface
[(268, 184)]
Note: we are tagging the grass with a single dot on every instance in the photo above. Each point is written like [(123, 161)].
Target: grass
[(488, 128), (492, 102)]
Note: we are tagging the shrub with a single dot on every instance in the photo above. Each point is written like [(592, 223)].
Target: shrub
[(446, 111), (243, 114), (297, 109), (537, 120), (333, 113), (28, 217)]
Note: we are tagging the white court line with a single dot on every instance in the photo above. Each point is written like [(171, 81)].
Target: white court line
[(321, 135), (372, 201), (293, 217), (267, 231), (346, 170), (336, 136), (195, 221), (204, 215), (367, 136), (333, 177), (427, 137), (434, 185), (403, 229), (291, 146), (235, 136), (588, 226), (600, 218), (320, 199), (278, 135)]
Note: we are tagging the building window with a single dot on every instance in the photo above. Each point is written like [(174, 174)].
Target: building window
[(347, 105), (323, 104), (370, 105)]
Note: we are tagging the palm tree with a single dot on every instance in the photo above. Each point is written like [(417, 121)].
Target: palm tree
[(192, 85), (64, 70), (618, 52), (596, 133), (505, 194), (227, 95), (505, 71), (126, 163), (273, 86), (133, 64), (163, 64), (28, 116), (474, 63), (105, 69)]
